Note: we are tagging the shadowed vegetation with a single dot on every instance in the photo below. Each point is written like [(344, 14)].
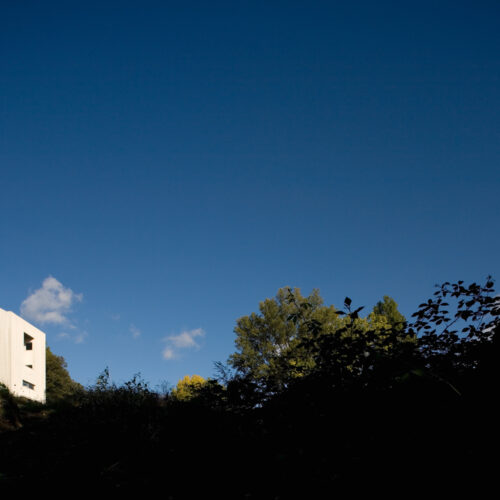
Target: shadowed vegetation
[(315, 400)]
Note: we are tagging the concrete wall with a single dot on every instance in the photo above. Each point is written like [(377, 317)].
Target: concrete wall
[(21, 379)]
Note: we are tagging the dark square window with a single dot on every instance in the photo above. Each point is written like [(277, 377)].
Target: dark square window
[(28, 342)]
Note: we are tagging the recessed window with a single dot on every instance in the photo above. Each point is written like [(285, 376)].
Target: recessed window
[(29, 366), (28, 342), (29, 385)]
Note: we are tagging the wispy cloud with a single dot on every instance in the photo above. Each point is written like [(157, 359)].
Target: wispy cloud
[(50, 304), (168, 353), (136, 333), (77, 338), (80, 337), (184, 340)]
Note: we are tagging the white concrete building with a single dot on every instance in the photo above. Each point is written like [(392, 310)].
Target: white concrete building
[(22, 357)]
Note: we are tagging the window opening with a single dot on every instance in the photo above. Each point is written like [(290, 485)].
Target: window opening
[(29, 385), (28, 342)]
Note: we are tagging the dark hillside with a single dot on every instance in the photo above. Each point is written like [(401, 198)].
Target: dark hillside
[(421, 420)]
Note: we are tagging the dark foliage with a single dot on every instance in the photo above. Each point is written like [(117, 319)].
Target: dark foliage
[(9, 409), (411, 410)]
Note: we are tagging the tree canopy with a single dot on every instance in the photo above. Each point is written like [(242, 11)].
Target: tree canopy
[(280, 343), (59, 384), (388, 309), (188, 387)]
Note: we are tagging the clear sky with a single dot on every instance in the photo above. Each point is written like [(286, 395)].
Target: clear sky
[(165, 166)]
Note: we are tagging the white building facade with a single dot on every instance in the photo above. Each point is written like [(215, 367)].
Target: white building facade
[(22, 357)]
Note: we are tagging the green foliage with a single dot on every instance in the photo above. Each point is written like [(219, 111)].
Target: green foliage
[(269, 344), (387, 310), (294, 335), (352, 354), (60, 385)]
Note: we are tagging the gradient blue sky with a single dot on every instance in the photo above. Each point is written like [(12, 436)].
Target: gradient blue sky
[(171, 164)]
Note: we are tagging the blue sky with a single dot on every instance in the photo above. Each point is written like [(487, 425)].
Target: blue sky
[(165, 166)]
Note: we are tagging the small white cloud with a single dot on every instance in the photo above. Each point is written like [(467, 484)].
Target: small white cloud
[(184, 340), (50, 304), (63, 335), (168, 353), (80, 337), (115, 317), (136, 333)]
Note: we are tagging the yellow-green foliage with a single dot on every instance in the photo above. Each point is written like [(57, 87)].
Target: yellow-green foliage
[(291, 334), (188, 387)]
